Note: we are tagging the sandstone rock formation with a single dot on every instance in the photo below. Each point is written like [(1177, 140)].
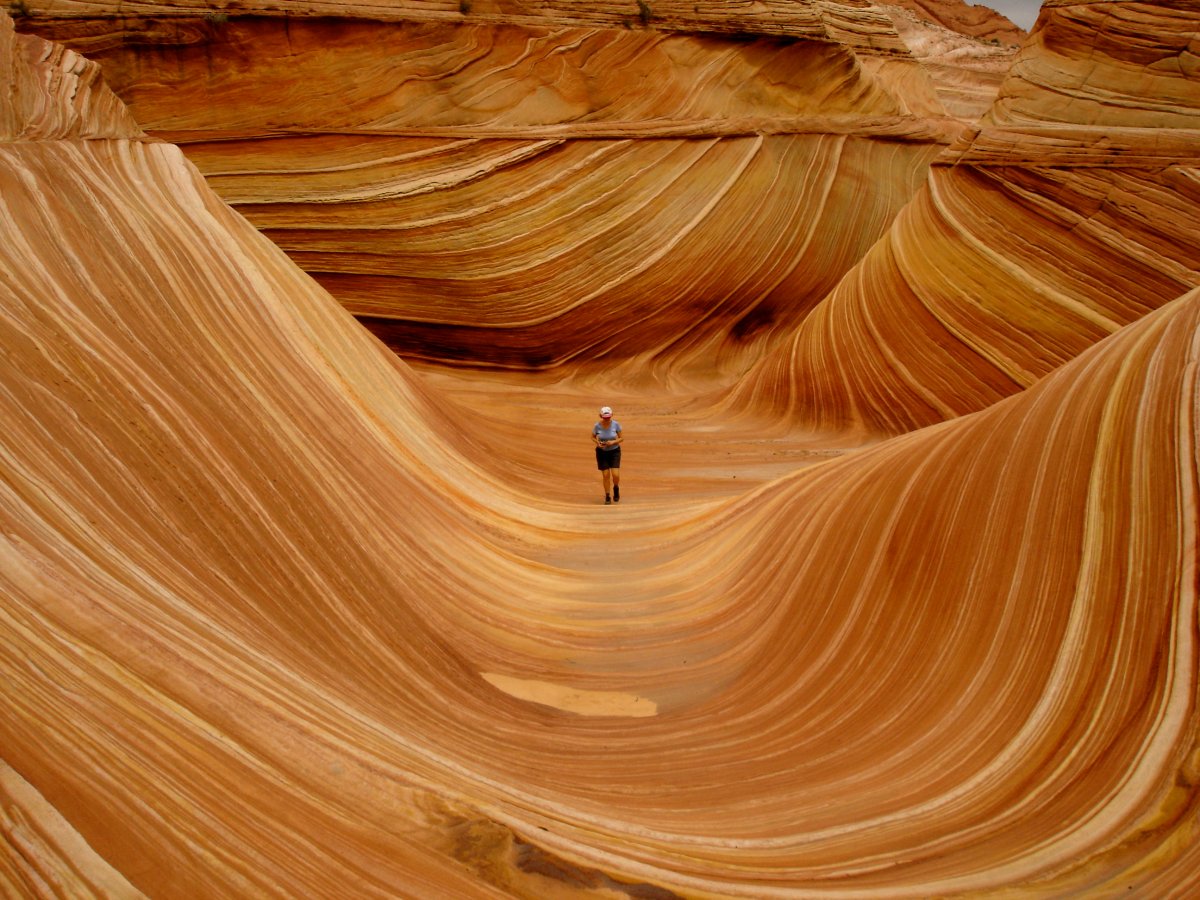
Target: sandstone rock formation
[(280, 616), (972, 19), (526, 186), (51, 92), (1069, 212), (966, 72)]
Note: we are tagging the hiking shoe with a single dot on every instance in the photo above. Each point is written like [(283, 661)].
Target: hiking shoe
[(607, 499), (616, 494)]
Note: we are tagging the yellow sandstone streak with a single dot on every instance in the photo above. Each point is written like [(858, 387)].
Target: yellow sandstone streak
[(574, 700)]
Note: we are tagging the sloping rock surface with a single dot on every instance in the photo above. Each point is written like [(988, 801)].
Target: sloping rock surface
[(1068, 213)]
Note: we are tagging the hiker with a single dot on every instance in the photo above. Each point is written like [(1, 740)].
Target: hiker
[(606, 434)]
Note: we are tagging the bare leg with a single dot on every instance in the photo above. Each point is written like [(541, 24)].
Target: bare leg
[(616, 477), (607, 473)]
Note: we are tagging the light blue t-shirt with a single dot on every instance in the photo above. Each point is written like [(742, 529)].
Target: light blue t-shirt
[(609, 432)]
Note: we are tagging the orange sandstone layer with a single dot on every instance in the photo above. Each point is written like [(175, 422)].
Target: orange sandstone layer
[(278, 619), (1068, 213), (677, 254), (493, 192), (42, 855)]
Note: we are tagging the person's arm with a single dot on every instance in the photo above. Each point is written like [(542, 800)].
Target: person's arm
[(596, 438)]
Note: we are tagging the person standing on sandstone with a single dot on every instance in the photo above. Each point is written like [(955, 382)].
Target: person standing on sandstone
[(606, 434)]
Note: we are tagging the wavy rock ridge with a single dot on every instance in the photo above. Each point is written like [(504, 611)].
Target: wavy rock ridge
[(1068, 213), (281, 617), (525, 187)]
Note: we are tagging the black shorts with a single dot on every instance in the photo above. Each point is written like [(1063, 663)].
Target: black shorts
[(608, 459)]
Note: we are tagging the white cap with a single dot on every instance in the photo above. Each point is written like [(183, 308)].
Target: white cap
[(606, 412)]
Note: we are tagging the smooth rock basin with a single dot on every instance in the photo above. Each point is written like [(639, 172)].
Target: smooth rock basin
[(900, 599)]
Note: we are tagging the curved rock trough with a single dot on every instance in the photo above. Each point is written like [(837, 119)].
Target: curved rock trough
[(901, 596)]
